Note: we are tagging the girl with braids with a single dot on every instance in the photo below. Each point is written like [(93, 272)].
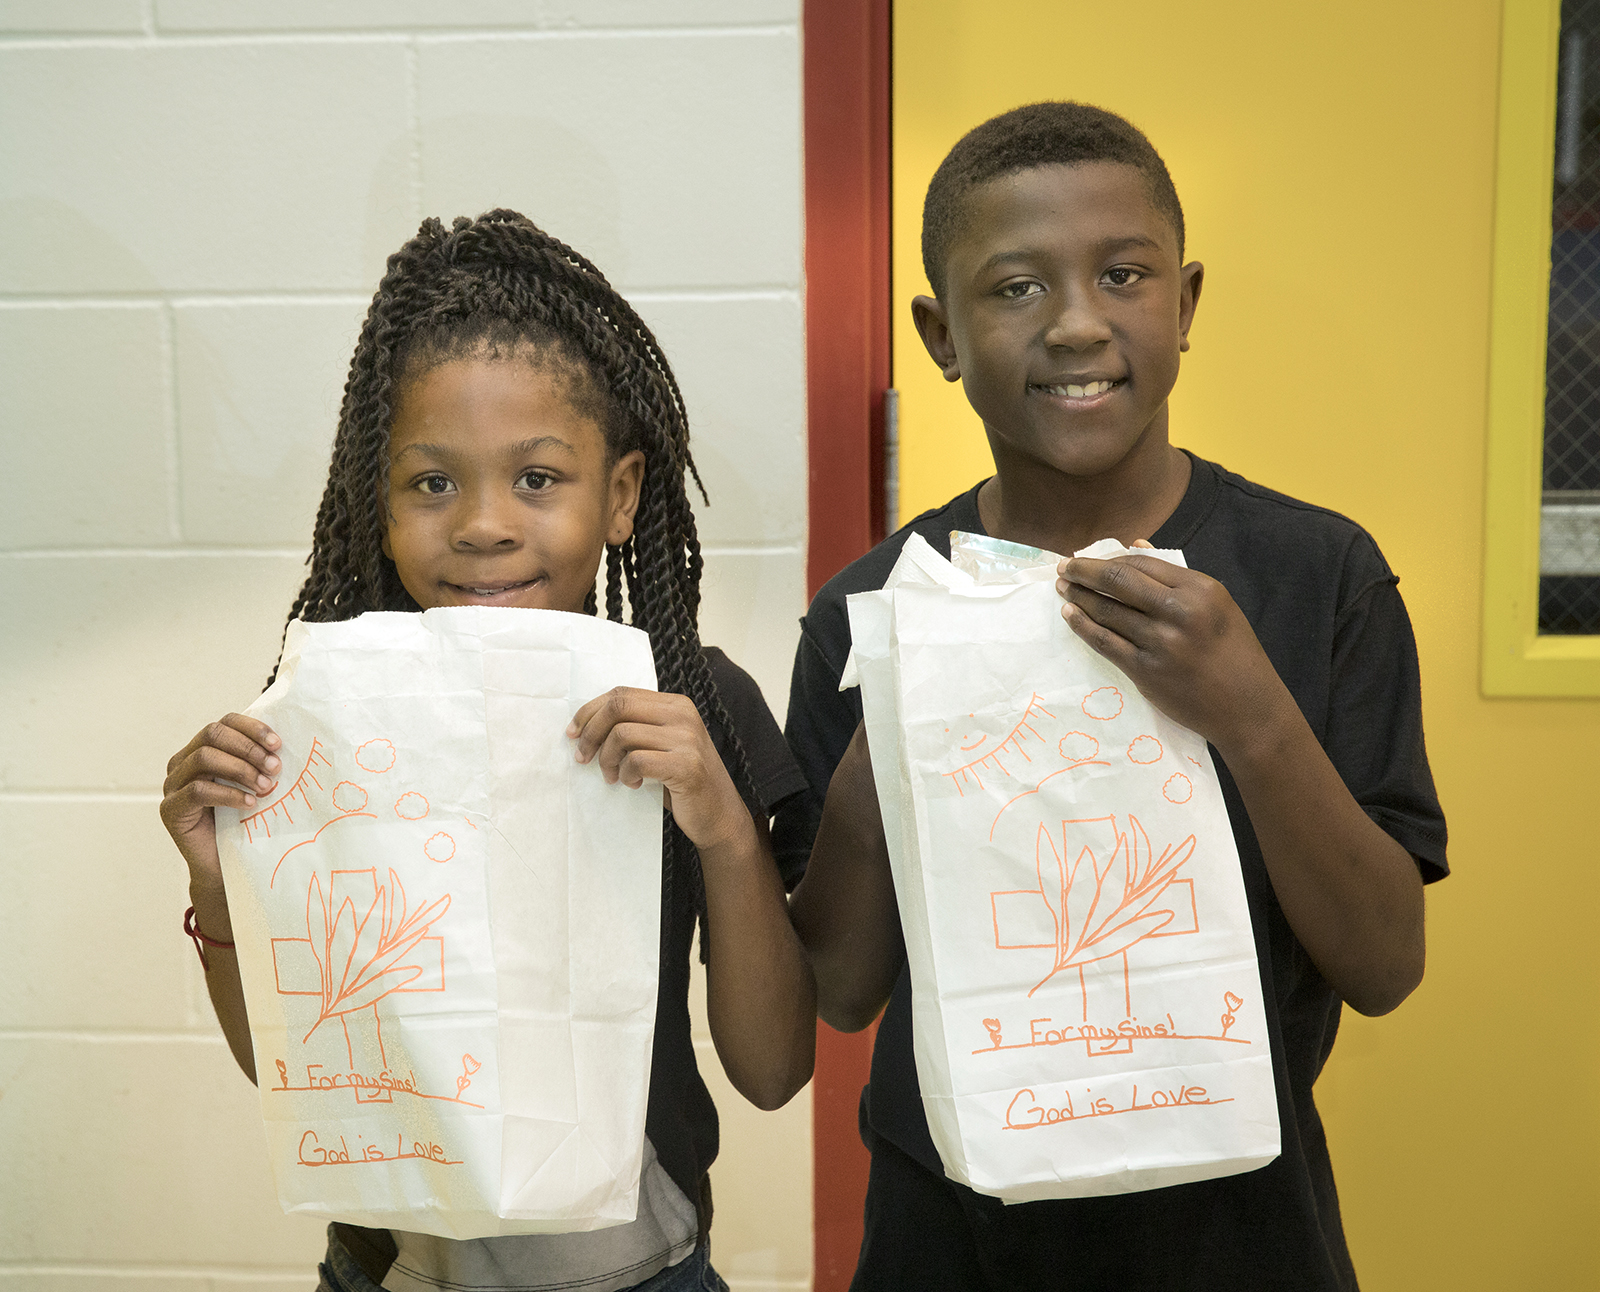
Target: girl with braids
[(508, 420)]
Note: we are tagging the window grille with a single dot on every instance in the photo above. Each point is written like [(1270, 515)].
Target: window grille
[(1569, 546)]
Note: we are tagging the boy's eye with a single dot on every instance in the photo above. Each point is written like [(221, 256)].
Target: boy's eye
[(1122, 276), (434, 484), (1016, 291), (535, 480)]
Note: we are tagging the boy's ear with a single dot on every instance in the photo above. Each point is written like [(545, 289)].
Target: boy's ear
[(933, 326), (1191, 277), (627, 482)]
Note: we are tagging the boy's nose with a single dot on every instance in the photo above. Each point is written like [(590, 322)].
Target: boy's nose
[(1077, 324), (486, 520)]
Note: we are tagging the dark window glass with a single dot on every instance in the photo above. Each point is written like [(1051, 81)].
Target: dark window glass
[(1569, 556)]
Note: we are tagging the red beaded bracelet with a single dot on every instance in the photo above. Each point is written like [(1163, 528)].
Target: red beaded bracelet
[(191, 926)]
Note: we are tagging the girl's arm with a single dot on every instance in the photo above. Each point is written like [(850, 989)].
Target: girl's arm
[(760, 995), (237, 749)]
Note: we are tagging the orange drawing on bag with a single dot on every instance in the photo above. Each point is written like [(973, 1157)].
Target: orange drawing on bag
[(440, 847), (376, 755), (1102, 704), (362, 958), (282, 808), (312, 1152), (349, 797), (347, 816), (995, 758), (1178, 788), (1145, 750), (411, 806), (1094, 903)]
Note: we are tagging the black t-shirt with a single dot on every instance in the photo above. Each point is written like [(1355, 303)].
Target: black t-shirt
[(1325, 606), (681, 1120)]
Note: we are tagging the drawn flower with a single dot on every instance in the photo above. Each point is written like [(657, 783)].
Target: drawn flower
[(361, 957), (1102, 911)]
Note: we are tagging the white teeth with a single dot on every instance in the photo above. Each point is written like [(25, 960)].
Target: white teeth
[(1082, 392)]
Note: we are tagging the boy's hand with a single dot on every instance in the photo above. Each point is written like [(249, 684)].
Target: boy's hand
[(1179, 636), (1352, 895), (652, 735), (234, 748)]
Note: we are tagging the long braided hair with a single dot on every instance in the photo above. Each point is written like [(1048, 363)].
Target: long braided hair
[(500, 282)]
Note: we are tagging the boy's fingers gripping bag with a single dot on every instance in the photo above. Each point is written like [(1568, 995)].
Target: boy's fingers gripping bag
[(447, 929), (1087, 1010)]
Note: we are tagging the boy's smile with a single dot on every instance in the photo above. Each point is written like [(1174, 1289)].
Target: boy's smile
[(1064, 313), (500, 490)]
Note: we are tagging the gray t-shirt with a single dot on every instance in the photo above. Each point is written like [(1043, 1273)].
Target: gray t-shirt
[(597, 1260)]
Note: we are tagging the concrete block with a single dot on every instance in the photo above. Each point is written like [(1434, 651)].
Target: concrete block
[(341, 15), (173, 167), (741, 364), (751, 607), (669, 159), (420, 15), (108, 665), (761, 1185), (259, 387), (84, 412), (103, 875), (137, 1152), (111, 1279), (653, 13), (71, 17)]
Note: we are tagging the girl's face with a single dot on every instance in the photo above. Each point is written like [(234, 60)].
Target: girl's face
[(500, 493)]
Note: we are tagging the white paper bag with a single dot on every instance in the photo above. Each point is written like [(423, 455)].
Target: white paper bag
[(1087, 1008), (448, 931)]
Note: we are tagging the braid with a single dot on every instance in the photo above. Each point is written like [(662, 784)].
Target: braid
[(495, 283)]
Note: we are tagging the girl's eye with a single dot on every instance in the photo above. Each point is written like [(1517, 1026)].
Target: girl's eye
[(1017, 291), (434, 484), (535, 480), (1122, 276)]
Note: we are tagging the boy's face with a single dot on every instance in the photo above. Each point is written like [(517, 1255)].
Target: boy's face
[(1064, 313)]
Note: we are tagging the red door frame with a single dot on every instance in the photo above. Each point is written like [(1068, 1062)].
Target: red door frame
[(846, 93)]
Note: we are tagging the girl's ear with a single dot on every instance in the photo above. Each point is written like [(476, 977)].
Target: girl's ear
[(627, 480)]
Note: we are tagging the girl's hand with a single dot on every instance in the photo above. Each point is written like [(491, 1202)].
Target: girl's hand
[(658, 736), (234, 748)]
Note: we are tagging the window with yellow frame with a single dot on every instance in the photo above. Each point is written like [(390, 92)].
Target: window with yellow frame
[(1542, 560)]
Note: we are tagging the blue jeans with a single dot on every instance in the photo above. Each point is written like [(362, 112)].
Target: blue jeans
[(693, 1273)]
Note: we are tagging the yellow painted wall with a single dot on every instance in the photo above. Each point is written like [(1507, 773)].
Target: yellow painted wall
[(1336, 165)]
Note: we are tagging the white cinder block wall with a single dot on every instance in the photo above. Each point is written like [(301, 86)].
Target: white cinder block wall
[(196, 199)]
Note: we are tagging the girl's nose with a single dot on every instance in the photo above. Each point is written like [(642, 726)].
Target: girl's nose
[(485, 519), (1077, 323)]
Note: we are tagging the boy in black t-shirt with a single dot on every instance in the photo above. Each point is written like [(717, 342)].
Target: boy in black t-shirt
[(1053, 240)]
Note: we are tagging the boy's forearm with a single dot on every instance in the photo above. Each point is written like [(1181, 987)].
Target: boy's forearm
[(222, 975), (760, 997), (1351, 893), (844, 908)]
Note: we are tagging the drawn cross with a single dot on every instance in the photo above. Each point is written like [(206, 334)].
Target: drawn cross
[(1100, 892), (373, 947)]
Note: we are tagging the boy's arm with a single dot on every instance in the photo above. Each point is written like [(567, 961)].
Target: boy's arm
[(1351, 893), (844, 909)]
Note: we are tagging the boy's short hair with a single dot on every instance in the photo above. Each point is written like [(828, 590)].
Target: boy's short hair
[(1038, 134)]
